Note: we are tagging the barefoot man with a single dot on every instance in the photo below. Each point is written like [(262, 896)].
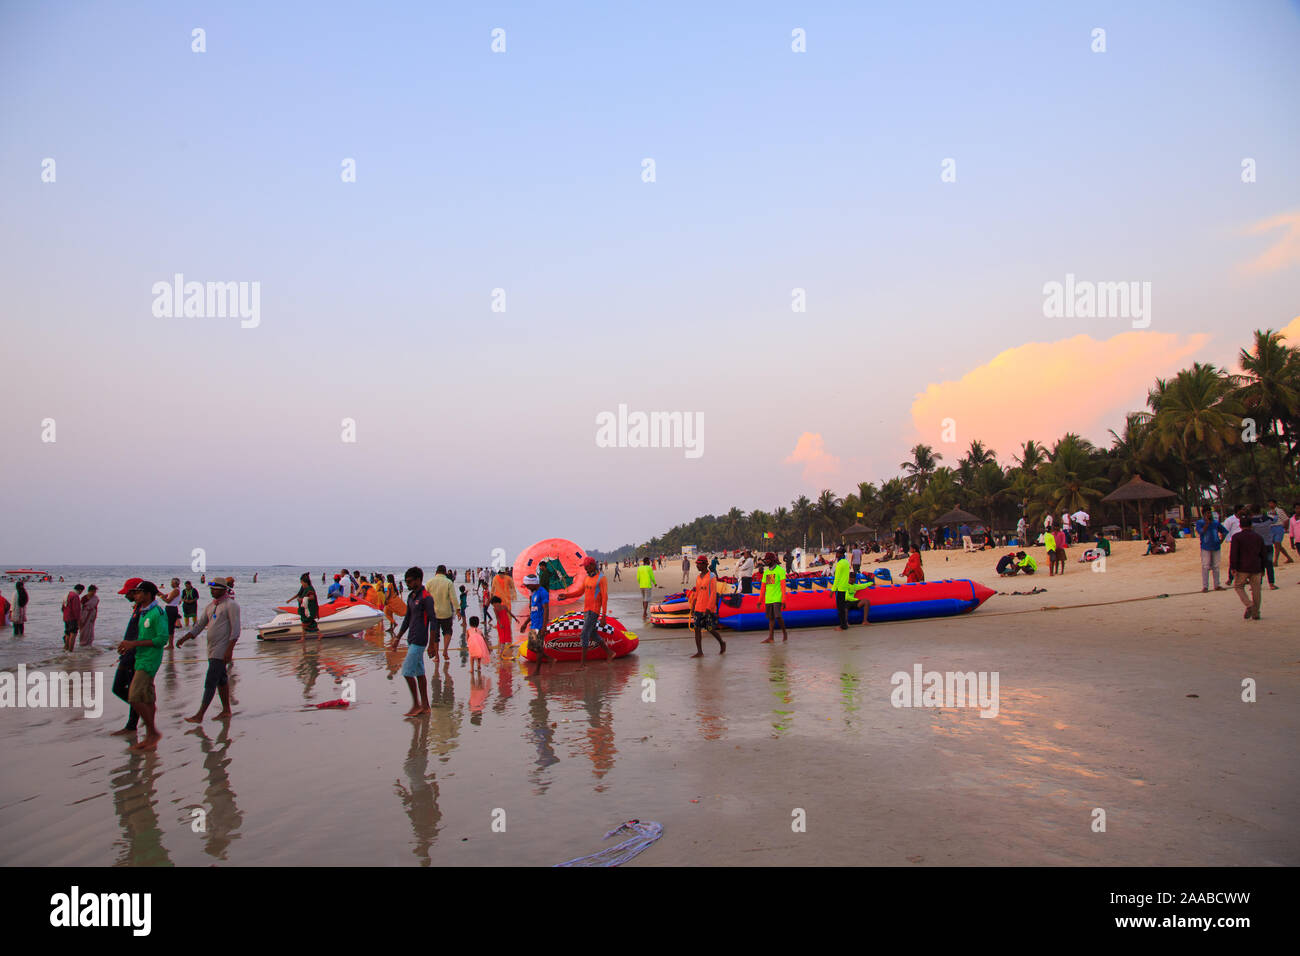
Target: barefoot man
[(703, 598), (154, 634), (421, 614), (221, 620), (774, 596), (595, 607)]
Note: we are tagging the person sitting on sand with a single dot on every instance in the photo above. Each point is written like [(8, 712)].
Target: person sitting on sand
[(1102, 544), (913, 572), (221, 620), (1026, 563), (1007, 567)]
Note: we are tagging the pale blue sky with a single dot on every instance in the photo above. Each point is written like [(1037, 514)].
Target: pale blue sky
[(522, 171)]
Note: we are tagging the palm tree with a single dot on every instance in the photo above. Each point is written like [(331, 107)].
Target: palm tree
[(1269, 392), (1196, 417), (921, 467), (1070, 480), (801, 511), (827, 512)]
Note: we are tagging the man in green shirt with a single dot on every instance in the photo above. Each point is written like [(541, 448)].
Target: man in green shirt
[(645, 580), (774, 595), (154, 632), (1026, 563), (843, 571)]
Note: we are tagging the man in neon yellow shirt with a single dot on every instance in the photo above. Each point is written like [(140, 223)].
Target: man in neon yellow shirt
[(645, 580), (774, 596), (840, 585), (1026, 564)]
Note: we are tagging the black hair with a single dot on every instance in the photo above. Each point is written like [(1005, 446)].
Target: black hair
[(473, 621), (415, 572)]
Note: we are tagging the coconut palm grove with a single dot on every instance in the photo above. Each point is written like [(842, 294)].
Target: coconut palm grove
[(1216, 437)]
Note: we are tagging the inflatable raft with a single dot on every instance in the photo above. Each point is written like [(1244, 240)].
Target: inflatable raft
[(815, 607), (562, 639)]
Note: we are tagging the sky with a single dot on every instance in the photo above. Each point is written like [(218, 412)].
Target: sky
[(525, 171)]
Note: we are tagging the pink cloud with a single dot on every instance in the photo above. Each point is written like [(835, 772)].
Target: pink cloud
[(1041, 390), (819, 467), (1285, 250)]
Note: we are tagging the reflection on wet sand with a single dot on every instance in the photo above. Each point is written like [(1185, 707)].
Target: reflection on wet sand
[(223, 815), (445, 717), (779, 676), (541, 734), (711, 692), (420, 794), (135, 797)]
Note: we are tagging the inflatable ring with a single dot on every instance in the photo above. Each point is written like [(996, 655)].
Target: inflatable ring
[(566, 552)]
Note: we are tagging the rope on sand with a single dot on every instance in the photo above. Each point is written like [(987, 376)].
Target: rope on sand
[(645, 834)]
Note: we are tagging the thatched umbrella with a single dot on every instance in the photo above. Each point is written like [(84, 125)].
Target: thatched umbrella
[(957, 516), (857, 530), (1135, 489)]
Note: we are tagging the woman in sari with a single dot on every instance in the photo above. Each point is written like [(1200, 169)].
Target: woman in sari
[(89, 611), (913, 572), (393, 603)]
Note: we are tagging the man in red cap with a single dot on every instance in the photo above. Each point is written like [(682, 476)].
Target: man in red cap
[(703, 598), (126, 660), (595, 607)]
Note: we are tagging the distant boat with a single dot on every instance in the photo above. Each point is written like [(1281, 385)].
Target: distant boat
[(27, 574)]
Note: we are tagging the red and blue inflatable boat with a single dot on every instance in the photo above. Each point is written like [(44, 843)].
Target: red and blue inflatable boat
[(815, 606)]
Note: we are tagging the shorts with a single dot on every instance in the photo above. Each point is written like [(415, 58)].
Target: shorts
[(706, 621), (1278, 533), (413, 666), (141, 691), (646, 593), (216, 673), (590, 632), (442, 625), (173, 615), (69, 627), (774, 612)]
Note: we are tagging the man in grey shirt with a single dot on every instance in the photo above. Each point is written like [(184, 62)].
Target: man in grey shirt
[(221, 620)]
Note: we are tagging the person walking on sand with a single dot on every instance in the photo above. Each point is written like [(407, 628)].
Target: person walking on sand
[(1278, 531), (537, 617), (71, 616), (595, 608), (308, 607), (221, 620), (645, 580), (153, 636), (1020, 531), (89, 612), (686, 568), (774, 596), (126, 660), (1246, 564), (1212, 535), (477, 646), (914, 573), (189, 604), (703, 598), (172, 600), (503, 589), (420, 614), (443, 593)]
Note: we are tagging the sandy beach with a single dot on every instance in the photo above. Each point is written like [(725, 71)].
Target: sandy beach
[(1119, 690)]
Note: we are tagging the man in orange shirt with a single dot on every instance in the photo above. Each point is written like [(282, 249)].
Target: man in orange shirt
[(703, 598), (595, 607)]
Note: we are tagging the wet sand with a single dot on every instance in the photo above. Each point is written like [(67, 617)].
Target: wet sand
[(1095, 712)]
